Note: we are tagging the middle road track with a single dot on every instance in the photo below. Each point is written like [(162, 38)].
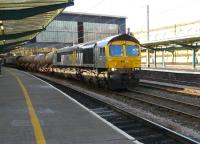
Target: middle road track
[(181, 108), (171, 88)]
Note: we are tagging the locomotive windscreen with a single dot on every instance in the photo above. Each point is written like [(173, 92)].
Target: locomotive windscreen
[(132, 50), (116, 50)]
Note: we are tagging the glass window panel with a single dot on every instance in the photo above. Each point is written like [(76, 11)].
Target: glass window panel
[(103, 51), (132, 50), (116, 50)]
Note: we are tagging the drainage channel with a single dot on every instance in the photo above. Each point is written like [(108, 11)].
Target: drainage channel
[(140, 129)]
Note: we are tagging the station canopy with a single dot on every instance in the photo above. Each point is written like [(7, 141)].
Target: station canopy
[(190, 42), (22, 20)]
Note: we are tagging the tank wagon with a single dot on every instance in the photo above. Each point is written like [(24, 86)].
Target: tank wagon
[(111, 62), (11, 61)]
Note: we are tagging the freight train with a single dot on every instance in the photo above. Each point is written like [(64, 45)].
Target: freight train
[(111, 62)]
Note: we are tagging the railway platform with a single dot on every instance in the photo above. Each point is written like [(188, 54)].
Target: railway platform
[(173, 70), (173, 76), (32, 111)]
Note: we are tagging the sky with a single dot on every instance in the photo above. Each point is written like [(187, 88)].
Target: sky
[(162, 12)]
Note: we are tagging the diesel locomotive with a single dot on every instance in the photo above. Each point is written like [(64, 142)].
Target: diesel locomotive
[(111, 62)]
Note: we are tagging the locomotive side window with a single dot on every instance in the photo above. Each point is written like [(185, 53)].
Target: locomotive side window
[(88, 57), (58, 57), (132, 50), (116, 50), (102, 51)]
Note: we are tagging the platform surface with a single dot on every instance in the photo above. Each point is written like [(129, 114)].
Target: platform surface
[(173, 70), (60, 120)]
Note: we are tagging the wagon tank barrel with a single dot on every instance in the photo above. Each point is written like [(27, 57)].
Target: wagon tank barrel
[(49, 58)]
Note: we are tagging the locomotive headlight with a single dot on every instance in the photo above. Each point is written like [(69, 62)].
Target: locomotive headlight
[(136, 69), (113, 69)]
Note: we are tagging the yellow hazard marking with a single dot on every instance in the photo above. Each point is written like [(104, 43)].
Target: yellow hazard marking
[(38, 132)]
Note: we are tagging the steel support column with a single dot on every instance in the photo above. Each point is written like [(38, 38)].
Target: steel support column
[(147, 58), (193, 58), (155, 61), (163, 58)]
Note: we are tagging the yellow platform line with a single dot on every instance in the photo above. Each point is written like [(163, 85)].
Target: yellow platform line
[(38, 132)]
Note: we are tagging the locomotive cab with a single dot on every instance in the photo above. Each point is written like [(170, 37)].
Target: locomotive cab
[(123, 61)]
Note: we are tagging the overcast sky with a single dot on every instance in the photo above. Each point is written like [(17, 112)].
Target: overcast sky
[(162, 12)]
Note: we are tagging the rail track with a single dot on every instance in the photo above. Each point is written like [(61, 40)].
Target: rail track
[(171, 89), (141, 129), (157, 86), (181, 82), (188, 110)]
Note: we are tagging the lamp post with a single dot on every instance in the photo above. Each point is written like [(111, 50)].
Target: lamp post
[(147, 50)]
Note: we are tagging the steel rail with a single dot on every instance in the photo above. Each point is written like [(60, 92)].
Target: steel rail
[(158, 105), (172, 89)]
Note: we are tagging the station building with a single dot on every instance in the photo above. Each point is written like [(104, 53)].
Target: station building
[(73, 28)]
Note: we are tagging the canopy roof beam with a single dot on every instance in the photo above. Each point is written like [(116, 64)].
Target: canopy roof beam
[(22, 20), (18, 35), (28, 12)]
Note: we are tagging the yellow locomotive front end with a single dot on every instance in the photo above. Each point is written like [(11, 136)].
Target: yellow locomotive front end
[(123, 55), (123, 61)]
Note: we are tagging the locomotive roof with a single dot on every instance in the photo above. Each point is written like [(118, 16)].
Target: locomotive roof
[(66, 49), (100, 43), (106, 41)]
